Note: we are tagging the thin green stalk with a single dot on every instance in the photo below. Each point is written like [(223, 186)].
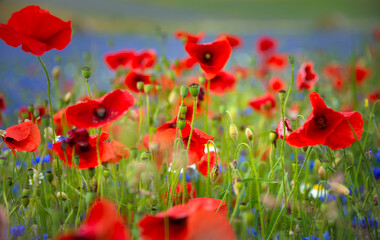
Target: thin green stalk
[(192, 122), (88, 88), (206, 107)]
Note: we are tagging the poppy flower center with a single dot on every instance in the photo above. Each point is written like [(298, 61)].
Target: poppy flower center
[(321, 121), (309, 75), (207, 56), (100, 112)]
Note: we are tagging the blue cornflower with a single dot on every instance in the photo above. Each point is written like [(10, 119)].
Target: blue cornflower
[(362, 223), (37, 160), (191, 174), (377, 156), (17, 231), (60, 138), (325, 236), (43, 237), (376, 172), (18, 164), (252, 231)]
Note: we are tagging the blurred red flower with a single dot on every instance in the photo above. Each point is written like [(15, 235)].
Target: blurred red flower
[(187, 37), (98, 112), (374, 95), (37, 114), (36, 30), (185, 64), (212, 57), (144, 59), (221, 83), (264, 104), (203, 163), (306, 77), (266, 45), (327, 127), (133, 78), (234, 40), (22, 137), (361, 74), (102, 222), (60, 122), (277, 62), (198, 219), (118, 59), (276, 84), (3, 106)]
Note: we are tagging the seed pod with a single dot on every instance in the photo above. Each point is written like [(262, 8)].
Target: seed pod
[(181, 123), (86, 72), (26, 191), (91, 172), (194, 89), (184, 91), (148, 88), (282, 95), (106, 173), (25, 201), (49, 176), (273, 137)]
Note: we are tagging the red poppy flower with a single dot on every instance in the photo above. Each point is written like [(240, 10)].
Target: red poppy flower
[(102, 222), (266, 45), (133, 78), (277, 62), (361, 74), (234, 40), (211, 56), (222, 82), (119, 59), (332, 70), (144, 59), (38, 113), (98, 112), (83, 146), (264, 104), (203, 163), (60, 122), (374, 95), (306, 77), (191, 193), (240, 72), (36, 30), (327, 127), (3, 104), (187, 37), (280, 128), (119, 152), (22, 137), (185, 64), (197, 219), (276, 84)]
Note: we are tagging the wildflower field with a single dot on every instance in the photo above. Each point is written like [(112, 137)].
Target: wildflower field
[(215, 143)]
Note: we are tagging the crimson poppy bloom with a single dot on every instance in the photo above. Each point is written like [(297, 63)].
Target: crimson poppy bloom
[(234, 40), (22, 137), (211, 56), (144, 59), (280, 128), (36, 30), (306, 77), (203, 163), (185, 64), (276, 84), (222, 82), (266, 45), (327, 127), (102, 222), (197, 219), (187, 37), (374, 95), (38, 113), (83, 145), (361, 74), (277, 62), (98, 112), (60, 122), (263, 104), (133, 78), (119, 59)]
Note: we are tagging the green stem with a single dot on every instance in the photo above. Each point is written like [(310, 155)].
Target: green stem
[(192, 122), (88, 88)]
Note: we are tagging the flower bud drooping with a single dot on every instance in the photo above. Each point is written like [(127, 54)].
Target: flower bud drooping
[(140, 86), (214, 174), (56, 72), (148, 88), (322, 172), (249, 134), (273, 137), (237, 185), (86, 72), (233, 131), (194, 89)]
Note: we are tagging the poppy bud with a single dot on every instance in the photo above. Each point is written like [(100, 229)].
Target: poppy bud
[(249, 134), (291, 59), (194, 89), (237, 185), (214, 174), (243, 207), (56, 72), (273, 137), (158, 87), (202, 80), (106, 173), (67, 97), (145, 156), (339, 188), (282, 95), (31, 172), (25, 201), (31, 108), (140, 86), (62, 195), (9, 181), (181, 123), (48, 134), (57, 168), (91, 172), (183, 109), (49, 176), (148, 88), (184, 91), (322, 172), (233, 131), (26, 192), (86, 72)]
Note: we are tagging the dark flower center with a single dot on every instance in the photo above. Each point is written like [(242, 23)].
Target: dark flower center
[(309, 75), (100, 112), (207, 56), (79, 137), (321, 121)]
